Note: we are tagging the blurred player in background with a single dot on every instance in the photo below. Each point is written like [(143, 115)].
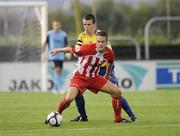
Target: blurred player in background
[(56, 38), (90, 57), (89, 37)]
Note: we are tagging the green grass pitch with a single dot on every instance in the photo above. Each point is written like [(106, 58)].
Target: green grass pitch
[(23, 114)]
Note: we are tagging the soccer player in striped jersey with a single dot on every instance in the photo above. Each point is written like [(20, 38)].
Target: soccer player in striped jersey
[(89, 37), (86, 76)]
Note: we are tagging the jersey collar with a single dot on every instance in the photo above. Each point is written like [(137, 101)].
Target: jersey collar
[(101, 52)]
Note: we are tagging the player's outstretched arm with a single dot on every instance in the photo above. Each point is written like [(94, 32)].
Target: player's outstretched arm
[(108, 69), (57, 50)]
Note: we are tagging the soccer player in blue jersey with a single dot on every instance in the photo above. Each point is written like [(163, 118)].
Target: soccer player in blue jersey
[(56, 38), (89, 37)]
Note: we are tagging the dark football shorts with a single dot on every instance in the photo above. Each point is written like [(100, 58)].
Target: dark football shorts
[(58, 63)]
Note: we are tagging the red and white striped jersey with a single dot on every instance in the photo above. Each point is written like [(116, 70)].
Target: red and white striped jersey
[(90, 59)]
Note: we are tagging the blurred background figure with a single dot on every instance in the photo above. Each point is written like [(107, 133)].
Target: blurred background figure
[(56, 38)]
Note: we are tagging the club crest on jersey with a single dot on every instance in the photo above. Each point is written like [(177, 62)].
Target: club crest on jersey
[(90, 42)]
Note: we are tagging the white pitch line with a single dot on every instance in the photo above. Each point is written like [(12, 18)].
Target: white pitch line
[(85, 129)]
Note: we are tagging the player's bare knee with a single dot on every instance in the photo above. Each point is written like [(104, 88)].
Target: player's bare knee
[(117, 92), (69, 98), (58, 70)]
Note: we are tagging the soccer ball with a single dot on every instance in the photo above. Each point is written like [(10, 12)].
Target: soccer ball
[(54, 119)]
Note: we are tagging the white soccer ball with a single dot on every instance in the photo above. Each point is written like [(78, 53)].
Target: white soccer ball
[(54, 119)]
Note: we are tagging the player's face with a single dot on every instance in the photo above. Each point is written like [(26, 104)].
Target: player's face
[(56, 26), (88, 25), (101, 42)]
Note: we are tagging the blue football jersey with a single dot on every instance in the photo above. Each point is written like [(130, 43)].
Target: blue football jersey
[(56, 40)]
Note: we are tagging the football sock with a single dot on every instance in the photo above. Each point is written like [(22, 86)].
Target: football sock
[(116, 104), (57, 81), (126, 107), (63, 105), (80, 103), (51, 70)]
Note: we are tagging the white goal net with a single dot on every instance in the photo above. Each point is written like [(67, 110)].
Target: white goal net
[(23, 27)]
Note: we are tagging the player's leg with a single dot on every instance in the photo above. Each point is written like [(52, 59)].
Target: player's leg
[(70, 96), (99, 83), (125, 105), (65, 102), (115, 92), (57, 76), (80, 104)]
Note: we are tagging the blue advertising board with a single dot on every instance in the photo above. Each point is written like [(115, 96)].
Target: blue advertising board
[(168, 75)]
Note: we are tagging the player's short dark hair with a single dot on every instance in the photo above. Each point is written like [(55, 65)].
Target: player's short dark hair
[(103, 34), (90, 17)]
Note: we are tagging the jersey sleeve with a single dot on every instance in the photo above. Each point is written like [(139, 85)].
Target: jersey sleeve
[(79, 40), (110, 56), (82, 50), (47, 39), (65, 40)]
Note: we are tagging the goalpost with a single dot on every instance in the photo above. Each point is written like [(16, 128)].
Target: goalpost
[(23, 29)]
